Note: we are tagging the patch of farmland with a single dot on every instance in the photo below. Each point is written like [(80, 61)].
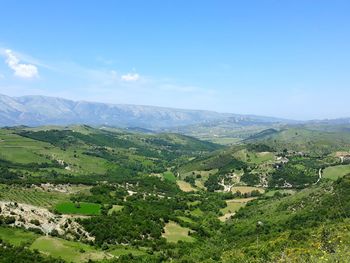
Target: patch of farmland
[(33, 196), (81, 208)]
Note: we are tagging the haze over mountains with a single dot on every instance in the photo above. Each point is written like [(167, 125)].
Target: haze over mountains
[(42, 110)]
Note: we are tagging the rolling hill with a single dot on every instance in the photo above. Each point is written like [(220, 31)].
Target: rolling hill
[(171, 197)]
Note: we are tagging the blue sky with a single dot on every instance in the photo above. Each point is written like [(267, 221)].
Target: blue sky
[(287, 59)]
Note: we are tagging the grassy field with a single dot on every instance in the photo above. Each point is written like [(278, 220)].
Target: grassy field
[(253, 157), (204, 175), (169, 176), (246, 189), (233, 206), (32, 196), (17, 236), (224, 140), (83, 164), (83, 209), (175, 233), (18, 149), (68, 250), (261, 157), (184, 186), (115, 208), (334, 172)]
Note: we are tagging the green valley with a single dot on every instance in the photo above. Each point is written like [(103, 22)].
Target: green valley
[(80, 193)]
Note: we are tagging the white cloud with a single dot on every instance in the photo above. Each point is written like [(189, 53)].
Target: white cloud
[(21, 70), (130, 77)]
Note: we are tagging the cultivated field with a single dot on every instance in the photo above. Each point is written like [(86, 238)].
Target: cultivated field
[(32, 196), (81, 208)]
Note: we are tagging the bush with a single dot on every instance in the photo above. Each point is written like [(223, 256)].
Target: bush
[(35, 222)]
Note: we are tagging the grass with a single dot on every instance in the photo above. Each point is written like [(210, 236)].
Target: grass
[(334, 172), (253, 157), (17, 236), (282, 191), (186, 219), (120, 251), (83, 164), (83, 209), (225, 140), (18, 149), (197, 212), (262, 157), (233, 206), (246, 189), (169, 176), (173, 232), (194, 203), (115, 208), (68, 250), (184, 186), (32, 196)]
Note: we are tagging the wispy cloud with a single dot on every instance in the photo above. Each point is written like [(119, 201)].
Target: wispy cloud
[(99, 83), (130, 77), (21, 70)]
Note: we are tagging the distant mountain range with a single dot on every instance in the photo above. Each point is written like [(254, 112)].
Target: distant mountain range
[(42, 110)]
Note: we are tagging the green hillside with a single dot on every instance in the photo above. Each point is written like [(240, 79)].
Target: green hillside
[(87, 193), (303, 139)]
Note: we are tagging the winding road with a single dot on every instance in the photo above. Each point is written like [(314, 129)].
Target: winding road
[(319, 176)]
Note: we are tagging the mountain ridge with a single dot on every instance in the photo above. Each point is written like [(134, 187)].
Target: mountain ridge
[(36, 110)]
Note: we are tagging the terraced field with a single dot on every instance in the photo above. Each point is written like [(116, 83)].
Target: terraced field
[(32, 196)]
